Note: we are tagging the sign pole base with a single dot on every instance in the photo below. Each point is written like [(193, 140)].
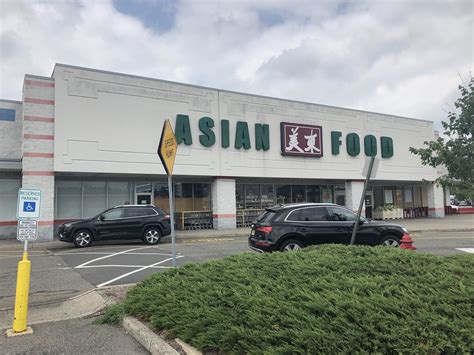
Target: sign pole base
[(22, 292), (10, 333)]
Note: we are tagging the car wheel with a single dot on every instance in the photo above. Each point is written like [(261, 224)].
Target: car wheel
[(291, 244), (82, 239), (152, 236), (390, 241)]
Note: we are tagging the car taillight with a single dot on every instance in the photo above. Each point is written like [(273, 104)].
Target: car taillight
[(264, 230)]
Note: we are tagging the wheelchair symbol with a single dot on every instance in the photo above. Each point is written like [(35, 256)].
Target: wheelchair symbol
[(29, 206)]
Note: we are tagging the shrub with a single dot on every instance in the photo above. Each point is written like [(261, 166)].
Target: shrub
[(320, 300)]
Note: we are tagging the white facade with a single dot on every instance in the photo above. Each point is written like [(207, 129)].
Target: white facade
[(111, 123), (88, 139)]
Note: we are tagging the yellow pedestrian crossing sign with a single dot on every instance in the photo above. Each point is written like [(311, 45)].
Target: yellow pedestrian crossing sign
[(167, 147)]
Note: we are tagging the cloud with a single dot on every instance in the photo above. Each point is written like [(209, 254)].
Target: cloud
[(400, 58)]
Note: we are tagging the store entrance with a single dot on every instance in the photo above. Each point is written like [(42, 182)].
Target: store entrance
[(143, 193), (143, 199)]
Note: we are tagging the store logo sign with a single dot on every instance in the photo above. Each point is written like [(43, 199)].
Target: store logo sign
[(301, 140)]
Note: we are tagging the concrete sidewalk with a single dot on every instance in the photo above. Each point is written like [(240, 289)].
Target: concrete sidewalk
[(449, 223)]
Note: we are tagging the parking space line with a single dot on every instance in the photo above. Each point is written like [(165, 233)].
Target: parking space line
[(138, 270), (130, 266), (466, 250), (108, 256), (103, 253)]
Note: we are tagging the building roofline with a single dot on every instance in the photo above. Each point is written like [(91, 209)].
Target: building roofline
[(39, 77), (11, 101), (231, 91)]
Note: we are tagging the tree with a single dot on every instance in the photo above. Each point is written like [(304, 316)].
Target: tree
[(456, 152)]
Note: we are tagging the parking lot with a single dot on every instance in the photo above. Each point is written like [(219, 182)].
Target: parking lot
[(113, 265)]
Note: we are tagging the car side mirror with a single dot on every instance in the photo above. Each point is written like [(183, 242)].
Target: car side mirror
[(361, 222), (102, 217)]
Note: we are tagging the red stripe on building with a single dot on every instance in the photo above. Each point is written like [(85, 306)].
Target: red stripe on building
[(223, 215), (39, 83), (38, 155), (60, 221), (39, 119), (38, 136), (8, 223), (30, 100), (38, 173), (45, 223)]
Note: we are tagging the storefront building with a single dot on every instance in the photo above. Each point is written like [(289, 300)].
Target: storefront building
[(88, 140)]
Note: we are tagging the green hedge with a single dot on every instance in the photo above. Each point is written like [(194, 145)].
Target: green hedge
[(321, 300)]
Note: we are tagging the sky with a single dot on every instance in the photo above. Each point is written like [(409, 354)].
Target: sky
[(398, 57)]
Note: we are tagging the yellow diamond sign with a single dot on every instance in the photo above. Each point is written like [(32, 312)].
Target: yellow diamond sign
[(168, 147)]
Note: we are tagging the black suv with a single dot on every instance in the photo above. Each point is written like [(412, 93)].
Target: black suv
[(146, 222), (295, 226)]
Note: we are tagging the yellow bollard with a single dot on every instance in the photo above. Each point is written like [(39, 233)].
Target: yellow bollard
[(21, 298)]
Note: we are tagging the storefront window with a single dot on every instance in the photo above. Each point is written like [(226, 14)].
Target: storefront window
[(268, 196), (183, 196), (340, 195), (119, 193), (388, 196), (417, 196), (398, 197), (378, 196), (202, 197), (313, 193), (283, 193), (240, 196), (408, 197), (424, 196), (298, 193), (327, 195), (69, 199), (8, 198), (161, 199), (144, 187), (95, 198), (252, 196)]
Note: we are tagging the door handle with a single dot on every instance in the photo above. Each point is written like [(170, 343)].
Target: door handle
[(303, 230)]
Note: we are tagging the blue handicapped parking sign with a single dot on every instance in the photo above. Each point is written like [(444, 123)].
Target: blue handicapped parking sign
[(29, 206)]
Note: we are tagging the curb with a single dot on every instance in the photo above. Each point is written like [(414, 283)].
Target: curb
[(441, 230), (151, 341), (79, 306)]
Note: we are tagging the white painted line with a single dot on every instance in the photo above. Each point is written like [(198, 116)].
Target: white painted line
[(135, 271), (99, 253), (108, 256), (129, 266), (467, 250), (106, 248)]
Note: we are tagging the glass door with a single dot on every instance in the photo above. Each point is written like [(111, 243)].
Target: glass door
[(143, 193)]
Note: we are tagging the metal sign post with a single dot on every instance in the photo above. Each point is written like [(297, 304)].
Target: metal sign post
[(167, 153), (29, 203), (362, 198)]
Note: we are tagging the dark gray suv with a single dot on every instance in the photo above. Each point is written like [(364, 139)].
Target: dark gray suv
[(295, 226), (145, 222)]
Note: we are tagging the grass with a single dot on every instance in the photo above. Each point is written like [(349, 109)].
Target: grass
[(320, 300)]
